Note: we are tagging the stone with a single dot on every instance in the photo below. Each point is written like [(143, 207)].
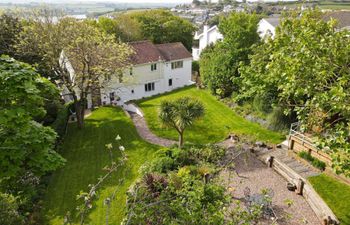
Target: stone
[(260, 144)]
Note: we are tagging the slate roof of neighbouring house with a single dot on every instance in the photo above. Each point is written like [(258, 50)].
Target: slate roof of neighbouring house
[(343, 18), (274, 21), (146, 52)]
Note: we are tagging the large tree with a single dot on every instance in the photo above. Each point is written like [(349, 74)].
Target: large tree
[(10, 26), (159, 26), (92, 53), (180, 114), (219, 64), (25, 145), (306, 68), (96, 58)]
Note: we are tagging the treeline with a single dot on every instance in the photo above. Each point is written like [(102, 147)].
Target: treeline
[(302, 74), (159, 26)]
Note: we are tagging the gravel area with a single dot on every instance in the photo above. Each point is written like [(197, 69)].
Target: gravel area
[(255, 175)]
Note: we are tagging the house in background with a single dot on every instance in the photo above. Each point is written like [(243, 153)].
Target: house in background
[(267, 26), (208, 36), (156, 69)]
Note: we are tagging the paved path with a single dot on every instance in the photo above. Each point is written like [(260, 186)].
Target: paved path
[(146, 134)]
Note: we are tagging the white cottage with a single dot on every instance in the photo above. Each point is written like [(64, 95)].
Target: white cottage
[(157, 68), (207, 37)]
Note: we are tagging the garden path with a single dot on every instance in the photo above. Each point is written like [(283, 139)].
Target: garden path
[(146, 134)]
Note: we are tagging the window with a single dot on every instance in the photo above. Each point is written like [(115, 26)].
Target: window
[(149, 87), (130, 72), (111, 96), (170, 82), (153, 67), (177, 64)]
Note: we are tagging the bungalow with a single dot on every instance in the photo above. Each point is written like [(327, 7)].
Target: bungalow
[(156, 69), (207, 37)]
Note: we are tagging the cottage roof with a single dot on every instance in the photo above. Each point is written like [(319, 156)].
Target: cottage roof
[(147, 52), (173, 51)]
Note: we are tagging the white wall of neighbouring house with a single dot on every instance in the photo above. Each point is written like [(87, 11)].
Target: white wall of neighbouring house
[(209, 36), (265, 29), (133, 86)]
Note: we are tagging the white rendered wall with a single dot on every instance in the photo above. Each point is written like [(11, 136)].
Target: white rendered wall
[(142, 74), (266, 29), (209, 36)]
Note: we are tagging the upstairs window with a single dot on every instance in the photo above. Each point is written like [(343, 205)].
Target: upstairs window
[(154, 67), (149, 87), (177, 64)]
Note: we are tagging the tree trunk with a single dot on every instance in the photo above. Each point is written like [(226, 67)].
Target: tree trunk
[(79, 111), (181, 139)]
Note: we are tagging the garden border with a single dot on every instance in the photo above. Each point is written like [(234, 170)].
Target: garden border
[(321, 209)]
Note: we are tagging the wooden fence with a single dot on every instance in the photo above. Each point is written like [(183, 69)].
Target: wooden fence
[(299, 141)]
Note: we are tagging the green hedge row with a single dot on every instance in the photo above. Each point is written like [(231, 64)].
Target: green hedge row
[(314, 161)]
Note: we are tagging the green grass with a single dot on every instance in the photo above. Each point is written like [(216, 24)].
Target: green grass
[(218, 122), (86, 156), (335, 193)]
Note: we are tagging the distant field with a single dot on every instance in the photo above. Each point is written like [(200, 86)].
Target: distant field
[(334, 5)]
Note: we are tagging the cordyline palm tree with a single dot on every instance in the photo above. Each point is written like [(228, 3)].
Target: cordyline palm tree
[(180, 113)]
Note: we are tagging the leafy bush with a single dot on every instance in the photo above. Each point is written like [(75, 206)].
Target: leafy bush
[(195, 66), (277, 120), (175, 189), (314, 161), (59, 125), (9, 214), (319, 164), (262, 103)]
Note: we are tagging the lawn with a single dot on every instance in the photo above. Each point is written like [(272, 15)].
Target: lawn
[(86, 156), (336, 194), (218, 122)]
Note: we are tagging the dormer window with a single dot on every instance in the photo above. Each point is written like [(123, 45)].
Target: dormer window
[(154, 67)]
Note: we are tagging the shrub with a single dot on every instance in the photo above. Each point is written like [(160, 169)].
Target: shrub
[(195, 66), (314, 161), (277, 120), (59, 125), (262, 103), (9, 210)]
